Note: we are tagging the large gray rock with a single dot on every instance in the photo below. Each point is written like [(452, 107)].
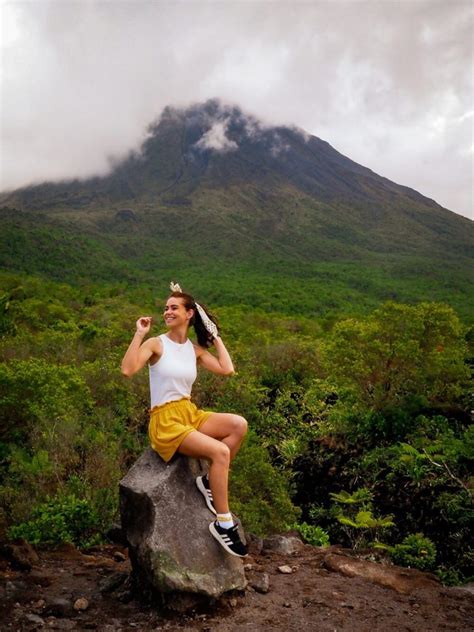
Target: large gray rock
[(166, 523)]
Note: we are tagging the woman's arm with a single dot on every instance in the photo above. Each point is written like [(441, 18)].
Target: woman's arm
[(222, 365), (138, 354)]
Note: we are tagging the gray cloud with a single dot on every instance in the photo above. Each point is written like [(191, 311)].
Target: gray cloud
[(387, 83)]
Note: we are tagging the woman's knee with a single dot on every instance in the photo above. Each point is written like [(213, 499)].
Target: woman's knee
[(221, 455), (241, 425)]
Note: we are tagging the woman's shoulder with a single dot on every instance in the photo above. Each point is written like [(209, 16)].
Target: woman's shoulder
[(198, 350), (156, 346)]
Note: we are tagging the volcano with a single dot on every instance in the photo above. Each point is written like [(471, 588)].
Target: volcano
[(213, 184)]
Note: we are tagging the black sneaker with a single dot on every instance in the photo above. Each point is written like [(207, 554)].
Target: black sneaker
[(202, 483), (229, 539)]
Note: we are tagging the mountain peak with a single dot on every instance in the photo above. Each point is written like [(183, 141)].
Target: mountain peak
[(218, 127)]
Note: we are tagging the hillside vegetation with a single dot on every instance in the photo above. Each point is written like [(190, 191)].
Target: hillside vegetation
[(359, 429)]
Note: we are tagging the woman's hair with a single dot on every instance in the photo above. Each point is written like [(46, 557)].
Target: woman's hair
[(204, 338)]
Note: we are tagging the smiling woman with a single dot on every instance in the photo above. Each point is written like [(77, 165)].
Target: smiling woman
[(176, 424)]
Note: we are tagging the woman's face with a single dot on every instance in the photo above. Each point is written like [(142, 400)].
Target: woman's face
[(175, 313)]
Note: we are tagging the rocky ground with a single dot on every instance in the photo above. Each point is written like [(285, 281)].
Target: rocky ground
[(291, 586)]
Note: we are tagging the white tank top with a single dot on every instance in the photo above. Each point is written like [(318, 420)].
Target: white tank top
[(173, 376)]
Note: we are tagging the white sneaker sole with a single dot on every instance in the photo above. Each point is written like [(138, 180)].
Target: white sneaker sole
[(203, 491), (215, 534)]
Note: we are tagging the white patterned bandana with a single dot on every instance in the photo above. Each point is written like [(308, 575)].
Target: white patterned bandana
[(207, 322)]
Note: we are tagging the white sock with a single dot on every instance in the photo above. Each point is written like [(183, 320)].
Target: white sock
[(225, 520)]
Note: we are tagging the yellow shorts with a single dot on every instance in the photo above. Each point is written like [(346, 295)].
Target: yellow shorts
[(170, 423)]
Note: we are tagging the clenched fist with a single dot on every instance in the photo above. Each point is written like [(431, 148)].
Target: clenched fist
[(144, 325)]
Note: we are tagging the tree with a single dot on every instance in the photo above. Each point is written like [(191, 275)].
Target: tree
[(398, 355)]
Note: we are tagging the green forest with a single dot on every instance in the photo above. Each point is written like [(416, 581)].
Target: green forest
[(359, 416)]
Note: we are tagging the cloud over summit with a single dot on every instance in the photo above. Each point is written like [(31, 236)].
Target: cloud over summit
[(216, 139)]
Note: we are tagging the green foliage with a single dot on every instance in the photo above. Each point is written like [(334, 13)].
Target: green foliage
[(314, 535), (449, 576), (358, 521), (60, 519), (398, 361), (379, 402), (259, 493), (415, 551)]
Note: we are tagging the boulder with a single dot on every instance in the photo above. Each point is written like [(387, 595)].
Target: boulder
[(166, 524)]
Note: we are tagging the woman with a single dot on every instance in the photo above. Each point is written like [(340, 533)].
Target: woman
[(176, 425)]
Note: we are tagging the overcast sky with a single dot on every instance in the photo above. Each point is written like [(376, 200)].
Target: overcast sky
[(387, 83)]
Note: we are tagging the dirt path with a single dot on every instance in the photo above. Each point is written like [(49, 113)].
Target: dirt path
[(310, 597)]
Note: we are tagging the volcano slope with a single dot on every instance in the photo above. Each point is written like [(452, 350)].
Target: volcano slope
[(239, 211)]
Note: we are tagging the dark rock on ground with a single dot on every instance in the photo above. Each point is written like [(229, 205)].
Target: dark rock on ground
[(35, 619), (59, 607), (166, 523), (20, 554), (259, 582), (109, 584)]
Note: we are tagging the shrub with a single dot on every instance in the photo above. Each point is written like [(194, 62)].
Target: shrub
[(60, 519), (415, 551), (359, 523), (316, 536)]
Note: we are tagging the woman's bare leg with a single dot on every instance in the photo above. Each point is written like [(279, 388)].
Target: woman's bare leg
[(227, 428), (199, 445)]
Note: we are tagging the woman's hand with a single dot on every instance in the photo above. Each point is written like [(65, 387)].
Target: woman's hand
[(143, 325), (139, 352)]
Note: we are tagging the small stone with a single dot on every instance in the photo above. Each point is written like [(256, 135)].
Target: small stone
[(248, 567), (233, 602), (65, 624), (285, 545), (286, 570), (125, 596), (81, 604), (34, 618), (38, 604), (109, 584), (59, 607), (260, 583), (119, 557), (286, 604)]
